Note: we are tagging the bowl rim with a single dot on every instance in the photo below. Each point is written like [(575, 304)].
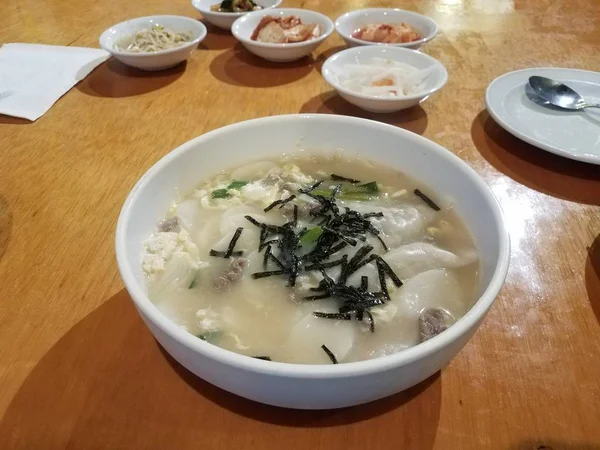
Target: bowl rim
[(317, 40), (234, 15), (194, 42), (327, 73), (357, 12), (322, 371)]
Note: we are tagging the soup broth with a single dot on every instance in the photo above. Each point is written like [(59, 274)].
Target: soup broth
[(265, 261)]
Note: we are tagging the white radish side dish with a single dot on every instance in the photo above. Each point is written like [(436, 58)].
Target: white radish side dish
[(384, 78)]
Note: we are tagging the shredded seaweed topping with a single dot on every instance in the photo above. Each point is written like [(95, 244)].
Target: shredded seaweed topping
[(330, 354), (427, 200), (264, 358), (290, 250)]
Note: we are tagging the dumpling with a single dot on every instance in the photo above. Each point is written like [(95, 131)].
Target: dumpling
[(412, 259), (434, 288), (398, 225), (310, 333)]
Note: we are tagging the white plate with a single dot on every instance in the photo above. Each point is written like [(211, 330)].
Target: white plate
[(572, 134)]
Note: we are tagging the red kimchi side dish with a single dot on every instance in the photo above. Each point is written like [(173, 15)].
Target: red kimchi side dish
[(284, 30), (387, 34)]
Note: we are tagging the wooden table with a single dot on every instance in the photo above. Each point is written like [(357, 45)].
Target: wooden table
[(79, 370)]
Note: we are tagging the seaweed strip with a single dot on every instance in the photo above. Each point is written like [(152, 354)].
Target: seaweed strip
[(264, 244), (273, 258), (234, 239), (373, 214), (266, 257), (364, 262), (330, 354), (390, 272), (310, 189), (354, 261), (281, 203), (337, 247), (264, 358), (381, 273), (334, 316), (364, 283), (222, 254), (427, 200), (383, 244), (326, 265), (269, 273), (316, 297), (335, 177)]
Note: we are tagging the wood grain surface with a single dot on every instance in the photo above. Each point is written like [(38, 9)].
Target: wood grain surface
[(79, 370)]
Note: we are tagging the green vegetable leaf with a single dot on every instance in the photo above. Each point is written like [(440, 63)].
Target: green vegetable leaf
[(236, 184), (220, 193), (311, 236)]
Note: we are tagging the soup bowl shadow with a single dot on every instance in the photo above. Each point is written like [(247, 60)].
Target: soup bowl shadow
[(115, 79), (107, 384), (238, 67), (413, 119), (535, 168)]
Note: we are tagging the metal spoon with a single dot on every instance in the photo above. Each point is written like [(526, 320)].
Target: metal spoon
[(559, 94)]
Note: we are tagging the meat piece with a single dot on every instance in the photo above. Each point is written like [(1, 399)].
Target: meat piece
[(169, 225), (231, 274), (304, 209), (433, 321)]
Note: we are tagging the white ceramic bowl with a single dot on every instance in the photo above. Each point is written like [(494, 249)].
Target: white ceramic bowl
[(352, 21), (365, 54), (243, 28), (225, 20), (297, 385), (156, 60)]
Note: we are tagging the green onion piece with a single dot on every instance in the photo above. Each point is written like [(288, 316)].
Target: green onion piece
[(352, 192), (237, 184), (220, 193), (210, 337), (311, 236), (369, 187), (194, 282)]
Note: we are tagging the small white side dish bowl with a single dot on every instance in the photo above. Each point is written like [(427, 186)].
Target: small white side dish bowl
[(225, 20), (351, 22), (299, 385), (155, 60), (363, 55), (243, 28)]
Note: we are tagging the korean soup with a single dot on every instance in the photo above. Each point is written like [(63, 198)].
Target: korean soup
[(313, 260)]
